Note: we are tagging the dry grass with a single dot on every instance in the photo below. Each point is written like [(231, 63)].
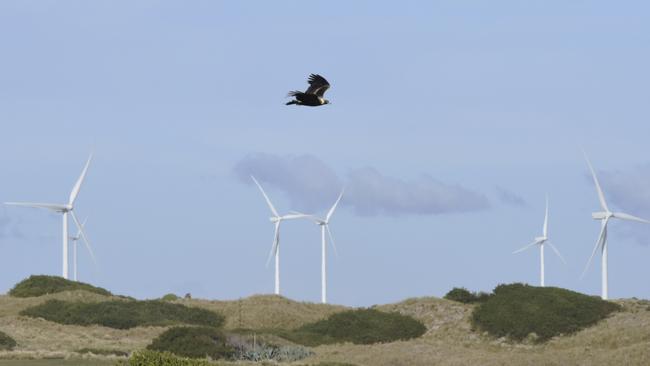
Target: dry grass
[(266, 311), (622, 339)]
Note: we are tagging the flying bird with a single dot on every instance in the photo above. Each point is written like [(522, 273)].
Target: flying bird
[(313, 96)]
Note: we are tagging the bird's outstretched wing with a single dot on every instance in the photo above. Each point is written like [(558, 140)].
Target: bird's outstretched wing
[(317, 85)]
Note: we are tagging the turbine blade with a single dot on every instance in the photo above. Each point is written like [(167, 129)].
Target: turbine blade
[(294, 216), (556, 251), (276, 240), (546, 219), (83, 225), (311, 217), (268, 201), (331, 211), (83, 236), (624, 216), (601, 239), (78, 236), (48, 206), (601, 196), (329, 233), (526, 247), (77, 186)]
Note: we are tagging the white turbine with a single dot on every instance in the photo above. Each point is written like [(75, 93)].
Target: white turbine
[(75, 239), (324, 226), (276, 219), (64, 209), (604, 216), (541, 241)]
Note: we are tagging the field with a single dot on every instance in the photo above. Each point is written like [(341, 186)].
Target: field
[(57, 362), (621, 339)]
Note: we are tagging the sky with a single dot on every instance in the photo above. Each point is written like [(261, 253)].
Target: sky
[(449, 123)]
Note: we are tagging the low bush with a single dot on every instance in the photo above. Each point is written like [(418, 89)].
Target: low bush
[(123, 314), (249, 350), (102, 352), (362, 326), (42, 285), (519, 311), (154, 358), (193, 342), (461, 294), (6, 343), (169, 297)]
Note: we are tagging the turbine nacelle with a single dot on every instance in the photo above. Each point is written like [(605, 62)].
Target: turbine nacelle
[(540, 239), (601, 215)]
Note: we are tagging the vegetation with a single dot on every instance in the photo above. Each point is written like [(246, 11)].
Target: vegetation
[(461, 294), (251, 349), (193, 342), (154, 358), (362, 326), (518, 311), (123, 314), (103, 352), (169, 297), (6, 343), (43, 285)]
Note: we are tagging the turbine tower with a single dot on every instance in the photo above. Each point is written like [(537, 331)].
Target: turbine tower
[(324, 226), (75, 240), (64, 209), (541, 241), (276, 219), (604, 216)]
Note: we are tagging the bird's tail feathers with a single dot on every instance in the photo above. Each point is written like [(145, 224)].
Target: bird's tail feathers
[(291, 102)]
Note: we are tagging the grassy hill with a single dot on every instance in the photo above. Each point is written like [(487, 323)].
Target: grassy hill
[(621, 338), (39, 285)]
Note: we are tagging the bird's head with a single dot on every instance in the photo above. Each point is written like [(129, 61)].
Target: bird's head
[(325, 101)]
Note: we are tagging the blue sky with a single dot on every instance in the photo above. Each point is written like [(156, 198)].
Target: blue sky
[(449, 123)]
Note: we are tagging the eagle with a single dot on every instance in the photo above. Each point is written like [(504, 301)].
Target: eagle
[(313, 96)]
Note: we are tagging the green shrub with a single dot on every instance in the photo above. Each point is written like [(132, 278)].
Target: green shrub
[(362, 326), (154, 358), (43, 285), (6, 343), (249, 350), (169, 297), (517, 311), (102, 352), (194, 342), (461, 294), (123, 314)]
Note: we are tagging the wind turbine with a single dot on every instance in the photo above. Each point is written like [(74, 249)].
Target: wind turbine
[(276, 219), (324, 225), (604, 216), (64, 209), (541, 241), (75, 239)]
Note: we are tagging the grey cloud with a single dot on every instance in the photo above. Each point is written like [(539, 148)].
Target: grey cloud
[(510, 198), (310, 184), (371, 193), (629, 191)]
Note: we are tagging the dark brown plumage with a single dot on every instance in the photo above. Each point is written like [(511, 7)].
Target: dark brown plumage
[(313, 96)]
